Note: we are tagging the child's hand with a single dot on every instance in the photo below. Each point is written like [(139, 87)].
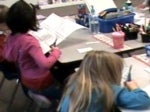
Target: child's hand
[(131, 85), (54, 47)]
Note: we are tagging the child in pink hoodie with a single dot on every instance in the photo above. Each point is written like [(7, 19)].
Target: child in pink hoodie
[(25, 50)]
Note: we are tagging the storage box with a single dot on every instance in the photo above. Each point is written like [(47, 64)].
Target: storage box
[(131, 31), (106, 25), (131, 35), (145, 38)]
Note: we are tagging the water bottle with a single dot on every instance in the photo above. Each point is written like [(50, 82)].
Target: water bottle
[(93, 21), (129, 5)]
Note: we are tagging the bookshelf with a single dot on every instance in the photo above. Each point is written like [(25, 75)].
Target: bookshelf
[(61, 4)]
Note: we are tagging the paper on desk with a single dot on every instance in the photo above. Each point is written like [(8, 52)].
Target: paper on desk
[(60, 26), (125, 72), (54, 27), (45, 47), (147, 90), (142, 21), (45, 38), (40, 17), (147, 69), (100, 5), (139, 15), (84, 50)]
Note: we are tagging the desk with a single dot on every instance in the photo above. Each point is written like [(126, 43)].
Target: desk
[(79, 39), (71, 58)]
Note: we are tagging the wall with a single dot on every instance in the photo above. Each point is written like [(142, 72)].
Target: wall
[(10, 2)]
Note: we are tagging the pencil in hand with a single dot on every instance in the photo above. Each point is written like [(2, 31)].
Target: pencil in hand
[(129, 74), (54, 44)]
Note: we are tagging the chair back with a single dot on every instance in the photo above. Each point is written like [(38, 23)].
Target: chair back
[(10, 70)]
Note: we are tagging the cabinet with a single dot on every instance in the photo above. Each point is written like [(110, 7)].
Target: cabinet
[(44, 5)]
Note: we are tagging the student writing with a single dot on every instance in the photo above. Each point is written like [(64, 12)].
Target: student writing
[(95, 87), (25, 50)]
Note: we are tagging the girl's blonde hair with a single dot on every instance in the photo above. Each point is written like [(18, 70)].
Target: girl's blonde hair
[(98, 71)]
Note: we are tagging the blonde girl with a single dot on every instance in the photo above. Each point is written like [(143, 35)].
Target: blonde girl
[(95, 87)]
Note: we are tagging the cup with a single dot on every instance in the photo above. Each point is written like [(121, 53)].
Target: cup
[(147, 49), (118, 39)]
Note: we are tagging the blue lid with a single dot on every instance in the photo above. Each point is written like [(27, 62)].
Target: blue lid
[(147, 47)]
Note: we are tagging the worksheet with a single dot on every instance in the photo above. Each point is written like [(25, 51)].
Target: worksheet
[(54, 29)]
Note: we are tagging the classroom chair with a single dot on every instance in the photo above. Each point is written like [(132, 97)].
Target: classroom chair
[(13, 92), (11, 72), (2, 81), (38, 103)]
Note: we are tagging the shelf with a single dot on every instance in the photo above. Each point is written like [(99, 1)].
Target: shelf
[(47, 6)]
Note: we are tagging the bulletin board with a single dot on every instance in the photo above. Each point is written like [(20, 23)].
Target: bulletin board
[(10, 2)]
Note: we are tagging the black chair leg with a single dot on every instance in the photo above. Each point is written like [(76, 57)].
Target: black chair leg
[(2, 81), (13, 95)]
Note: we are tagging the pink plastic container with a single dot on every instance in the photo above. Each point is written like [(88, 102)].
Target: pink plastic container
[(118, 39)]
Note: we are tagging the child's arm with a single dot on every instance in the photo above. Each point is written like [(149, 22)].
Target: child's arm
[(135, 98), (40, 59)]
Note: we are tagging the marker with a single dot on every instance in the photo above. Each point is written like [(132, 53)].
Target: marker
[(129, 74)]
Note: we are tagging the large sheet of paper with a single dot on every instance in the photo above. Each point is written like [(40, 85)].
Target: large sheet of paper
[(100, 5), (54, 28)]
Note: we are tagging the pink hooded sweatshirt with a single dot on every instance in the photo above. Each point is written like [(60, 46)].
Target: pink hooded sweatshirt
[(34, 66)]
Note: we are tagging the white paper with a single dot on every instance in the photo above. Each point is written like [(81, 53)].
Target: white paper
[(54, 28), (147, 90), (100, 5), (45, 39), (61, 27), (125, 73), (142, 21), (84, 50), (40, 17), (147, 69)]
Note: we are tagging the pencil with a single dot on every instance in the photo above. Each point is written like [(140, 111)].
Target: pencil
[(54, 44), (129, 74)]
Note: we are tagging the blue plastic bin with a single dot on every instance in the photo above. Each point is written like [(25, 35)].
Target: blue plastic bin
[(106, 25)]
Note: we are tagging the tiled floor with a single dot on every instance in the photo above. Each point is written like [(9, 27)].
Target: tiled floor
[(21, 101)]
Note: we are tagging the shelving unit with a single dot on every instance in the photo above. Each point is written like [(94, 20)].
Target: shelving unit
[(62, 4)]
